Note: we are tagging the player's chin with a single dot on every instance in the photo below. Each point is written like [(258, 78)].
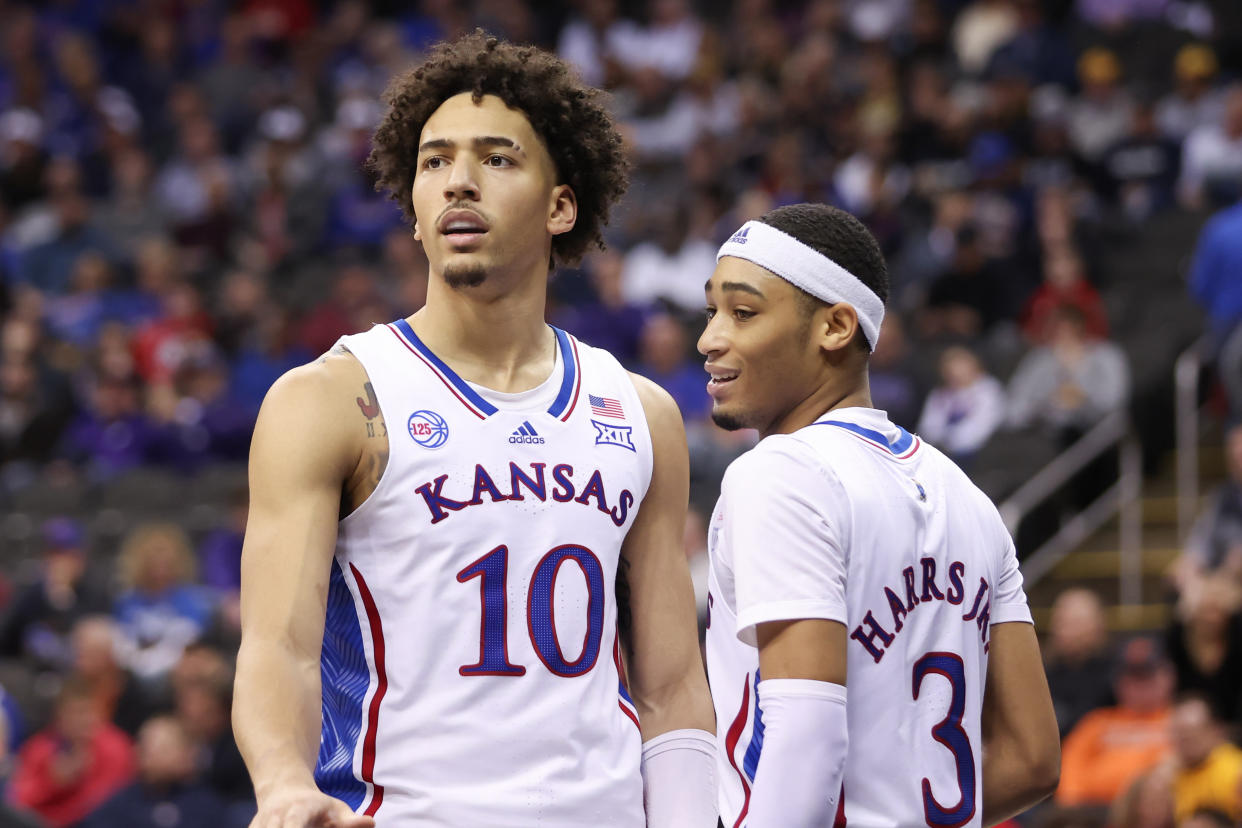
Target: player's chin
[(728, 417)]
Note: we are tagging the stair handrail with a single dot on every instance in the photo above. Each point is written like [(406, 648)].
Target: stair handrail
[(1186, 372), (1124, 498)]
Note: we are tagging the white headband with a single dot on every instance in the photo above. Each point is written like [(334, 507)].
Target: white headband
[(808, 269)]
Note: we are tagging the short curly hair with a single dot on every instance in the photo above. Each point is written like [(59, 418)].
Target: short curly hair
[(566, 114)]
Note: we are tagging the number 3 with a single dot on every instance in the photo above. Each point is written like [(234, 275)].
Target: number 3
[(493, 570), (950, 734)]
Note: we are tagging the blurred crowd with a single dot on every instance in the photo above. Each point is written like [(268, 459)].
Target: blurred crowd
[(184, 216)]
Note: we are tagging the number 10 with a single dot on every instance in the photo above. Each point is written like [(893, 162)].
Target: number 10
[(493, 569)]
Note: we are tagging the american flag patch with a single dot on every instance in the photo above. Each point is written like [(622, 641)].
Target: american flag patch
[(605, 407)]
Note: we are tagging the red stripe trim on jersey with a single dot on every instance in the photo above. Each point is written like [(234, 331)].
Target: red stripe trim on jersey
[(630, 713), (433, 370), (731, 739), (888, 452), (381, 687), (577, 382), (912, 450)]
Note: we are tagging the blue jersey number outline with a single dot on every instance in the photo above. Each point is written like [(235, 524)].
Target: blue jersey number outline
[(949, 732), (492, 570)]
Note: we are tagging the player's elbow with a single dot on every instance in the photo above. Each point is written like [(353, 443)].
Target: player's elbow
[(1044, 770)]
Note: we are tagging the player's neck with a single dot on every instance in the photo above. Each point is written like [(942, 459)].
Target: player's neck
[(829, 396), (489, 335)]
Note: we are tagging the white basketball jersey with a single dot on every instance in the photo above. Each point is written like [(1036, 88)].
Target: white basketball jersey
[(469, 658), (855, 520)]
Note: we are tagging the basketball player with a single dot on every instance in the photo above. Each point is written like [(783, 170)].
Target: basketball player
[(844, 546), (442, 505)]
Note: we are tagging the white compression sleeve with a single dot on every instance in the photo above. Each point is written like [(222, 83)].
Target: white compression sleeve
[(805, 739), (679, 779)]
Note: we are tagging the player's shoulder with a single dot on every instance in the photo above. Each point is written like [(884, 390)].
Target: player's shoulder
[(777, 457), (316, 396)]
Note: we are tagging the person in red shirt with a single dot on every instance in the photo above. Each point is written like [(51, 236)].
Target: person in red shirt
[(67, 770), (1065, 283)]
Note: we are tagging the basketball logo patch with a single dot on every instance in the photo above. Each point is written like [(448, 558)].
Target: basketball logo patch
[(428, 429)]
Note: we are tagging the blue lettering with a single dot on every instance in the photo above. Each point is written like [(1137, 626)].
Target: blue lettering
[(537, 486), (483, 483), (436, 502), (912, 600), (956, 592), (930, 590), (867, 639), (619, 514), (565, 491), (595, 489), (974, 610)]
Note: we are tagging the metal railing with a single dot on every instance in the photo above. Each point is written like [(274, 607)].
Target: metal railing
[(1186, 373), (1124, 498)]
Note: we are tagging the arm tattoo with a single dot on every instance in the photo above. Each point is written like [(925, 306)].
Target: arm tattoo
[(369, 406)]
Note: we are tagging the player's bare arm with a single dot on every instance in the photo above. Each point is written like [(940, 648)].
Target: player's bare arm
[(1021, 744), (318, 450), (667, 679)]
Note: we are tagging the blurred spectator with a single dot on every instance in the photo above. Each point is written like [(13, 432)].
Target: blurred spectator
[(160, 611), (49, 264), (203, 696), (1205, 646), (1215, 285), (117, 697), (1038, 50), (1065, 284), (1212, 157), (112, 434), (962, 412), (35, 401), (1147, 802), (65, 771), (1111, 747), (664, 357), (1077, 657), (971, 297), (1100, 118), (608, 321), (220, 552), (669, 43), (982, 28), (22, 160), (182, 331), (77, 316), (1207, 818), (198, 421), (1070, 383), (1209, 768), (353, 293), (1193, 102), (131, 214), (166, 792), (1215, 542), (672, 266), (895, 385), (1141, 170), (40, 622)]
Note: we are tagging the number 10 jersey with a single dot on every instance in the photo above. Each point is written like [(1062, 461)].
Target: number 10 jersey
[(469, 666)]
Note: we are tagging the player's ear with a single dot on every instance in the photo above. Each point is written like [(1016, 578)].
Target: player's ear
[(564, 210), (836, 326)]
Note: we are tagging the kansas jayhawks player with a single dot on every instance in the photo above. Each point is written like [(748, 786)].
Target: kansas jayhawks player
[(842, 545), (443, 505)]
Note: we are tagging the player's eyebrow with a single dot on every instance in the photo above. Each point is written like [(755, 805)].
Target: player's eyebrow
[(479, 142), (726, 287)]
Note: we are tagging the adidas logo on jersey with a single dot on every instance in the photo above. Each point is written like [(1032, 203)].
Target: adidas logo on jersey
[(525, 434)]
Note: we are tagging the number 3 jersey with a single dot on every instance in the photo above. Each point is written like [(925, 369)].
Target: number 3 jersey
[(469, 666), (854, 520)]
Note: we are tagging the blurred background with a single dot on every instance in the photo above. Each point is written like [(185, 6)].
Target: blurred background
[(184, 217)]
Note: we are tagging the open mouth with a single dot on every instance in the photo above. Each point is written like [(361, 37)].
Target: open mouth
[(462, 225)]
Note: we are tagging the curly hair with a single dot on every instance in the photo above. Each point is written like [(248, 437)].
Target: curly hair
[(565, 113)]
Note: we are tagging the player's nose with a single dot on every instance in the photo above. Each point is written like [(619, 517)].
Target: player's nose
[(462, 183), (712, 340)]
